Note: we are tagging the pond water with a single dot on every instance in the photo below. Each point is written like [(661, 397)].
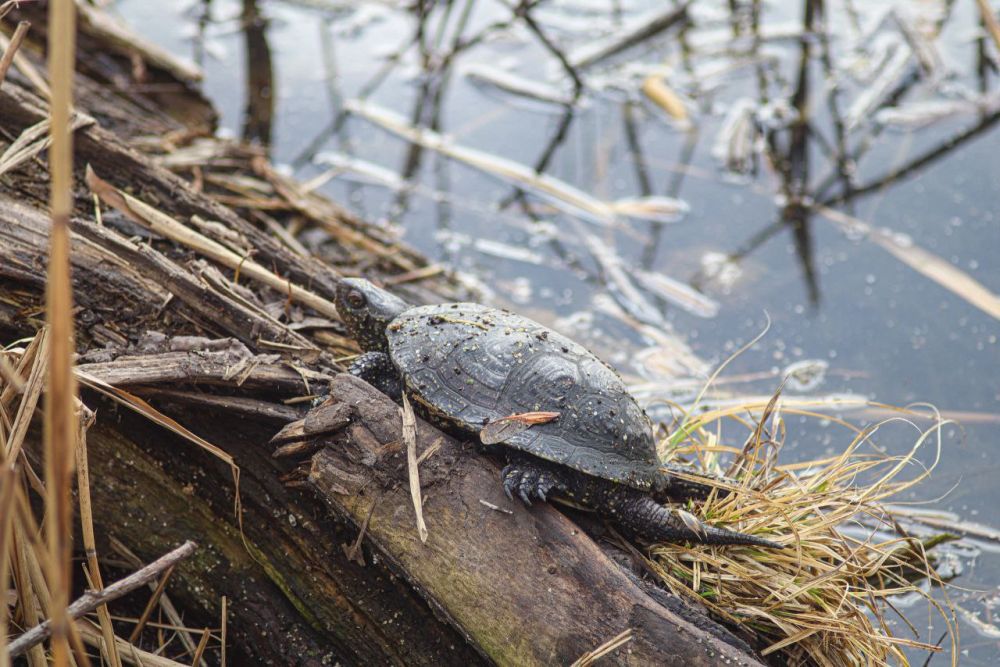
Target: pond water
[(835, 174)]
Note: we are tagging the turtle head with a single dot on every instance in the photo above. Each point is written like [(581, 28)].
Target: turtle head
[(366, 311)]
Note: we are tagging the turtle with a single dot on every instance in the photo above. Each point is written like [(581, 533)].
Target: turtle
[(465, 365)]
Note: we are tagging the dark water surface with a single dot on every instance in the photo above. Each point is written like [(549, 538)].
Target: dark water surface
[(751, 243)]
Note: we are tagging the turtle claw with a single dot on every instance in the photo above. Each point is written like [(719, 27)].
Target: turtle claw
[(511, 475), (545, 484), (528, 485), (530, 482)]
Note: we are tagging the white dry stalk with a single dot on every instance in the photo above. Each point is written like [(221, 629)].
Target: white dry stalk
[(556, 191), (515, 84), (920, 260), (900, 64), (162, 224), (410, 439), (34, 140), (30, 72), (616, 642)]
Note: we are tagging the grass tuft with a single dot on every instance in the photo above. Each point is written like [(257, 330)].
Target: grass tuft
[(826, 598)]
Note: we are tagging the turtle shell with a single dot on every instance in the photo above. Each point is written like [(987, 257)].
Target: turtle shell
[(467, 365)]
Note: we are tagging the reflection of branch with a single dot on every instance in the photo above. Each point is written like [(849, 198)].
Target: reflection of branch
[(260, 77), (839, 129), (632, 139), (444, 63), (523, 12), (673, 189), (919, 162), (542, 163), (793, 164), (204, 20), (637, 32)]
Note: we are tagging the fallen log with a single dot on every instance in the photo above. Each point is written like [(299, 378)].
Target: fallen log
[(524, 585)]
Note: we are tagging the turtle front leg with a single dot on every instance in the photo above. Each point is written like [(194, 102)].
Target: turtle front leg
[(377, 369), (531, 479)]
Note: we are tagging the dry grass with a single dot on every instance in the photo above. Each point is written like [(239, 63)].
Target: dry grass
[(61, 424), (827, 598)]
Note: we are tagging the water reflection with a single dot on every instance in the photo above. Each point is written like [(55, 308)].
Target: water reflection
[(259, 78)]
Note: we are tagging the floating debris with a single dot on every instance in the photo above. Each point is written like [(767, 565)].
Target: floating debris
[(901, 64), (923, 48), (721, 41), (657, 90), (721, 270), (636, 30), (652, 209), (507, 251), (619, 282), (554, 190), (456, 241), (680, 294), (917, 115), (805, 375), (734, 144), (517, 85), (922, 261), (342, 165)]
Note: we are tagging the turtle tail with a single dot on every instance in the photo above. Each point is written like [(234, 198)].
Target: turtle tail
[(646, 517)]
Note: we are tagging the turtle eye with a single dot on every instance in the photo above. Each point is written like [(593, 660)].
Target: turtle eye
[(356, 299)]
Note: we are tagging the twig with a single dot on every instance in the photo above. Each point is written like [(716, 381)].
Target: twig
[(15, 43), (150, 606), (91, 600), (200, 651), (616, 642), (183, 632), (523, 11), (224, 629), (131, 654), (353, 551), (29, 399), (92, 567), (410, 438), (10, 376), (7, 489), (7, 6)]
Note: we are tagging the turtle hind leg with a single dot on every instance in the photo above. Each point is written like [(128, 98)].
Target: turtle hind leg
[(531, 479), (644, 516), (667, 484), (377, 369)]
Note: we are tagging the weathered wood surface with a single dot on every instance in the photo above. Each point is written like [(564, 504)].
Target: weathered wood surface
[(525, 585)]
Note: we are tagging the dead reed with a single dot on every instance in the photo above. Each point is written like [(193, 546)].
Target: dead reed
[(827, 597), (60, 406)]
